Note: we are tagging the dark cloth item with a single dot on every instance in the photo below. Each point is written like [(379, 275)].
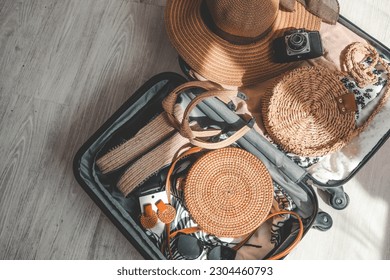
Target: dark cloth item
[(327, 10)]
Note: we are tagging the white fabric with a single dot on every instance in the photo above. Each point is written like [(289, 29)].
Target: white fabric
[(338, 165)]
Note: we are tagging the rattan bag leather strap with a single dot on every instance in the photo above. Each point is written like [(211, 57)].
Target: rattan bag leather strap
[(286, 251), (298, 238), (170, 234), (277, 256), (187, 153)]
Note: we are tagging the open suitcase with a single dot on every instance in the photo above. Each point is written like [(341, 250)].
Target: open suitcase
[(145, 105), (330, 184)]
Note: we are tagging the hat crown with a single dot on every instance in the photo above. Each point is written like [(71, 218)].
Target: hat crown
[(243, 18)]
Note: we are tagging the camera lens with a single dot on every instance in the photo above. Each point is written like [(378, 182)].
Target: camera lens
[(297, 41)]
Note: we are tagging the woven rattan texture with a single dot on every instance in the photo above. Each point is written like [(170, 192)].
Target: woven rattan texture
[(248, 18), (149, 219), (228, 192), (225, 63), (167, 215), (150, 163), (362, 74), (149, 136), (301, 114)]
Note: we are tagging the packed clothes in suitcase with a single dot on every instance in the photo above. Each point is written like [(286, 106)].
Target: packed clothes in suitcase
[(279, 97)]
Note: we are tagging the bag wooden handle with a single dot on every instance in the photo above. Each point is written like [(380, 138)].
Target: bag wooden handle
[(184, 126), (169, 102)]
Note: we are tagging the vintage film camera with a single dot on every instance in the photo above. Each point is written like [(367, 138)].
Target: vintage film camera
[(297, 44)]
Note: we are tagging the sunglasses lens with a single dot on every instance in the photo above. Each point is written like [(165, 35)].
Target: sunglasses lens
[(189, 247), (221, 253)]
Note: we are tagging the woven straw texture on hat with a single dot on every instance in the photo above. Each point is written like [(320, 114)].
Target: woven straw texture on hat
[(228, 192), (301, 114), (221, 61)]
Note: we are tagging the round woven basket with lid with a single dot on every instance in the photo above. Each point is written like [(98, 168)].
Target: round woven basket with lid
[(228, 192), (302, 115)]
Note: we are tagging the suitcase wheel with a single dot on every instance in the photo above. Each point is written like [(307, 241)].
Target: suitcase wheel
[(323, 221), (338, 199)]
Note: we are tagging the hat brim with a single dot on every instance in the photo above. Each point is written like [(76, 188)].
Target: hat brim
[(221, 61)]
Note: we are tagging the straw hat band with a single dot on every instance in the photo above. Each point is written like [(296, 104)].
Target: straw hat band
[(188, 19), (224, 62)]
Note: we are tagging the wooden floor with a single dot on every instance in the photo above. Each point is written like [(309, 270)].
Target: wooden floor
[(65, 67)]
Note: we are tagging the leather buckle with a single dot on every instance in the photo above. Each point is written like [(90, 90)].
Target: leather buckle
[(346, 103)]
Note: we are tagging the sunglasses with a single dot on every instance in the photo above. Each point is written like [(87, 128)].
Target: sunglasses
[(191, 248)]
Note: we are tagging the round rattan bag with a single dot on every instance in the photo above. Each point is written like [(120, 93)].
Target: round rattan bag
[(309, 112), (228, 192)]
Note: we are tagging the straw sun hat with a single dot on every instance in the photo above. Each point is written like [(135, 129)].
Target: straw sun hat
[(229, 41)]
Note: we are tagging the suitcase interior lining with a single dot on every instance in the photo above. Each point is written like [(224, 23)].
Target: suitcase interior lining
[(126, 210)]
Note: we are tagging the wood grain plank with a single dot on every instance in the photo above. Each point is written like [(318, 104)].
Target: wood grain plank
[(151, 2), (56, 45), (107, 242), (130, 48), (57, 219), (45, 213), (23, 147), (371, 16)]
